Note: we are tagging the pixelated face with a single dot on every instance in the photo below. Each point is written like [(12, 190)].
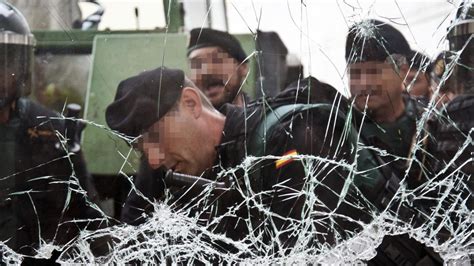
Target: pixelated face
[(216, 73), (172, 142), (376, 83), (418, 83)]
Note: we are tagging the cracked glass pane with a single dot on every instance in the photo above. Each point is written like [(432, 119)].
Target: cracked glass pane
[(255, 132)]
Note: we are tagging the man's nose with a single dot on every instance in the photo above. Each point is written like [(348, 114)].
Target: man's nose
[(365, 80), (196, 78), (155, 157), (356, 85)]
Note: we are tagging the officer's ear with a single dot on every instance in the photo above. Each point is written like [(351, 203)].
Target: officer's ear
[(190, 102), (404, 69), (243, 70), (403, 73)]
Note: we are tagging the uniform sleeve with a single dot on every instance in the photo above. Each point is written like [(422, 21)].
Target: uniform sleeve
[(51, 192), (150, 184)]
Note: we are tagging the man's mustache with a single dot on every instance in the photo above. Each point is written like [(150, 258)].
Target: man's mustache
[(212, 80), (372, 91)]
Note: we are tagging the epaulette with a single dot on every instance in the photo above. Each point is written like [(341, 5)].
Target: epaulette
[(38, 121)]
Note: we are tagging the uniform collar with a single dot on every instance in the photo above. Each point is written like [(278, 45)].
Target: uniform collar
[(237, 130), (411, 112)]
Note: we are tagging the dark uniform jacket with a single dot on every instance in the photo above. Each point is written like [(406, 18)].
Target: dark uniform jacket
[(398, 139), (278, 182), (39, 181)]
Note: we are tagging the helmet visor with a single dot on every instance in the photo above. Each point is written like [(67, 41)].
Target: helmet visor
[(16, 62)]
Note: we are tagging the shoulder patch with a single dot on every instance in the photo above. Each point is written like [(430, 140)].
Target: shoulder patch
[(38, 133)]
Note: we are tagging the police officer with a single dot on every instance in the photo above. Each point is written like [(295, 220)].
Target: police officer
[(376, 54), (40, 176), (377, 64), (453, 129), (218, 66), (185, 133), (452, 134)]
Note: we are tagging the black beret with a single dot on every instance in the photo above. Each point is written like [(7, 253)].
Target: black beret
[(374, 40), (142, 100), (205, 37)]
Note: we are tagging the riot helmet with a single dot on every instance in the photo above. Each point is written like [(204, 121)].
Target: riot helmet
[(16, 55), (461, 41)]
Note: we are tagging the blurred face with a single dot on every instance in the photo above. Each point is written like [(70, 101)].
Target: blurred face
[(376, 83), (174, 142), (217, 74), (418, 83)]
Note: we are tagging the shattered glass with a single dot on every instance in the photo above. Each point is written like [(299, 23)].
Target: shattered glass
[(437, 212)]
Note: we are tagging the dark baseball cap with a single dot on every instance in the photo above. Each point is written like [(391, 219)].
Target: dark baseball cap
[(374, 40), (143, 99), (205, 37)]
